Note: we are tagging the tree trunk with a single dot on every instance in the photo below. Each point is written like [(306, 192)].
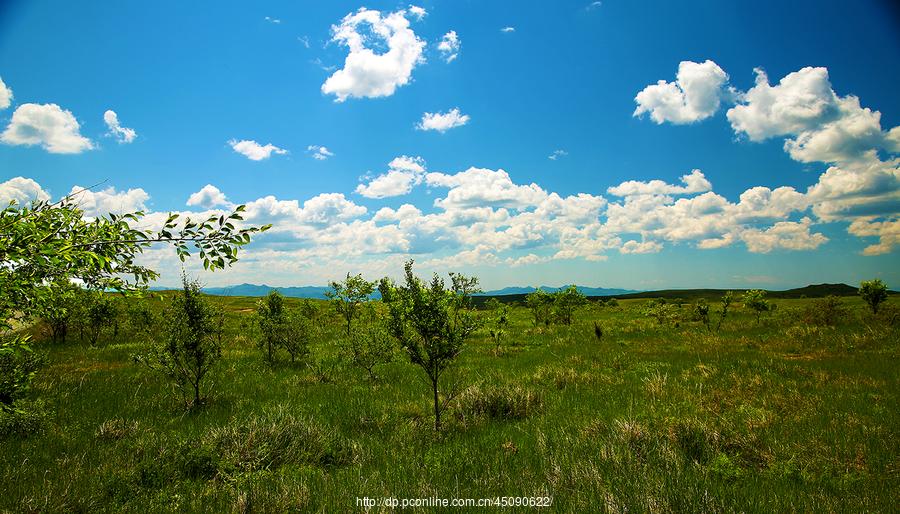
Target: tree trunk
[(437, 409)]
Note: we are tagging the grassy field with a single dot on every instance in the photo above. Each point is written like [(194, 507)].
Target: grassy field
[(780, 416)]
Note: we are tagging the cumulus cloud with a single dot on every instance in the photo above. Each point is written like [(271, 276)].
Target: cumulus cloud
[(417, 12), (786, 235), (403, 173), (443, 122), (367, 74), (695, 182), (22, 190), (480, 186), (116, 130), (109, 200), (696, 94), (255, 151), (6, 95), (449, 46), (319, 153), (48, 125), (208, 197)]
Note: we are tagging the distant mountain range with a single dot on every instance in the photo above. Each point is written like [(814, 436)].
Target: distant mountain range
[(319, 291)]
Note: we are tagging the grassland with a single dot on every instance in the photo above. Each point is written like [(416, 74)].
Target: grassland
[(780, 416)]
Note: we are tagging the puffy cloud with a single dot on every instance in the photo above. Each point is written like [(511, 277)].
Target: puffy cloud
[(786, 235), (255, 151), (480, 186), (367, 74), (6, 95), (417, 12), (695, 95), (449, 46), (641, 247), (48, 125), (109, 200), (443, 122), (825, 126), (122, 134), (887, 232), (22, 190), (209, 196), (695, 182), (403, 173), (319, 153), (857, 189)]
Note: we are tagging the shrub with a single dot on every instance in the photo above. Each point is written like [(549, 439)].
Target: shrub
[(566, 302), (190, 344), (22, 418), (100, 312), (280, 328), (18, 365), (828, 311), (432, 324), (701, 312), (349, 295), (725, 303), (540, 303), (61, 309), (873, 292), (658, 309), (367, 347), (498, 322), (755, 300)]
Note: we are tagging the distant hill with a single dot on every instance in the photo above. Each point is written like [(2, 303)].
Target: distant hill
[(587, 291), (810, 291)]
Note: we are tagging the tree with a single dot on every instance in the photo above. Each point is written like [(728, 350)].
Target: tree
[(566, 302), (499, 322), (100, 312), (427, 320), (281, 328), (60, 308), (662, 311), (368, 346), (701, 312), (725, 303), (755, 299), (540, 303), (873, 292), (190, 344), (348, 295)]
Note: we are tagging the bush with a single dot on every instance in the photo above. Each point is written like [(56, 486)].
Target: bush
[(828, 311), (191, 342), (873, 292), (280, 328), (498, 322), (100, 313), (22, 418), (18, 365), (367, 347), (755, 300)]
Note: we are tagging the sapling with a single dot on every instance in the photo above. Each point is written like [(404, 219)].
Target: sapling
[(874, 293)]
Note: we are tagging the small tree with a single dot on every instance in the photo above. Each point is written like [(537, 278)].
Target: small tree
[(368, 347), (498, 322), (540, 303), (660, 310), (18, 365), (60, 309), (725, 303), (280, 328), (701, 312), (100, 313), (190, 344), (566, 302), (348, 295), (873, 292), (755, 300), (430, 325)]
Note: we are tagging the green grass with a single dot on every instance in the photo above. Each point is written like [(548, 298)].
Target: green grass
[(776, 417)]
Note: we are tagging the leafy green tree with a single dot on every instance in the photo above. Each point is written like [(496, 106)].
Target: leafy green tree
[(725, 303), (61, 309), (100, 313), (701, 312), (498, 322), (566, 302), (347, 296), (18, 365), (660, 310), (281, 328), (873, 292), (190, 344), (540, 303), (368, 346), (755, 300), (427, 320)]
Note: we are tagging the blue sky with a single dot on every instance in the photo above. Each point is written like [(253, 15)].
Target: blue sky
[(193, 80)]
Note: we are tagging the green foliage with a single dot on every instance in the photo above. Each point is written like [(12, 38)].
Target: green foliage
[(701, 312), (368, 347), (498, 322), (100, 312), (505, 402), (349, 295), (282, 329), (18, 365), (873, 292), (663, 312), (432, 323), (828, 311), (566, 302), (725, 303), (61, 308), (755, 300), (191, 342), (540, 303)]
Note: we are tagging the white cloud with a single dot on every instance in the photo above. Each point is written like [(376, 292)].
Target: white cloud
[(22, 190), (695, 95), (695, 182), (641, 247), (122, 134), (98, 203), (48, 125), (887, 232), (270, 19), (557, 154), (786, 235), (480, 186), (367, 74), (443, 122), (319, 153), (507, 30), (6, 95), (593, 5), (255, 151), (449, 46), (417, 12), (208, 197), (304, 40), (403, 173)]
